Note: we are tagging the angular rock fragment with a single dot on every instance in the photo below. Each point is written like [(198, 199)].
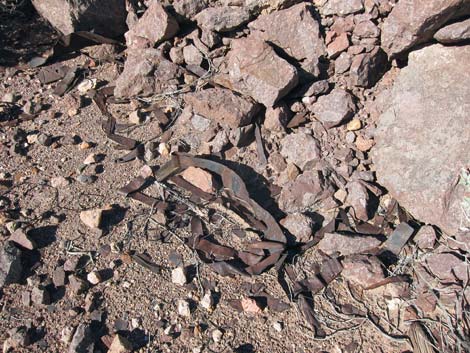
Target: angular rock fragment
[(183, 308), (189, 8), (425, 238), (192, 55), (424, 120), (222, 18), (414, 22), (22, 239), (334, 108), (250, 305), (342, 8), (92, 218), (447, 267), (120, 344), (11, 268), (338, 45), (347, 245), (77, 285), (295, 30), (146, 72), (300, 148), (359, 199), (105, 17), (40, 296), (255, 70), (305, 192), (83, 340), (223, 106), (17, 337), (366, 29), (299, 225), (58, 277), (454, 33), (364, 271), (178, 276), (277, 117), (155, 26), (366, 69)]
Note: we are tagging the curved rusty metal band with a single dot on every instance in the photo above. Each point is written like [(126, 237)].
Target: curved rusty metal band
[(232, 182)]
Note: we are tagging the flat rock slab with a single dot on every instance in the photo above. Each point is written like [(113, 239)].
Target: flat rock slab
[(105, 17), (223, 106), (255, 70), (454, 33), (223, 18), (412, 22), (423, 137), (295, 30)]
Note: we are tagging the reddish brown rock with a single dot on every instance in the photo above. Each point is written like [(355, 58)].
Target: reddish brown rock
[(300, 148), (334, 108), (58, 277), (299, 225), (366, 29), (223, 106), (24, 240), (425, 238), (105, 17), (189, 8), (446, 266), (277, 117), (415, 21), (77, 285), (120, 344), (423, 120), (364, 271), (155, 26), (366, 69), (295, 30), (305, 192), (338, 45), (200, 178), (146, 72), (454, 33), (341, 7), (359, 199), (255, 70), (347, 245), (222, 18)]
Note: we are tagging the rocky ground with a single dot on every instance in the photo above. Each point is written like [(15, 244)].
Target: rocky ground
[(235, 176)]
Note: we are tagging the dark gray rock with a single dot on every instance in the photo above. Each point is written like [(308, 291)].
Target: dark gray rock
[(83, 340), (11, 268)]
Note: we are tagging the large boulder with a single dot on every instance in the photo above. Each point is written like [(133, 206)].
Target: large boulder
[(105, 17), (422, 139), (412, 22)]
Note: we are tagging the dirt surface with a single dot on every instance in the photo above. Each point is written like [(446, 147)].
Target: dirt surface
[(41, 193)]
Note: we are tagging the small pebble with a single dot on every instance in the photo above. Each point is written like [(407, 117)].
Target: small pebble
[(353, 125)]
